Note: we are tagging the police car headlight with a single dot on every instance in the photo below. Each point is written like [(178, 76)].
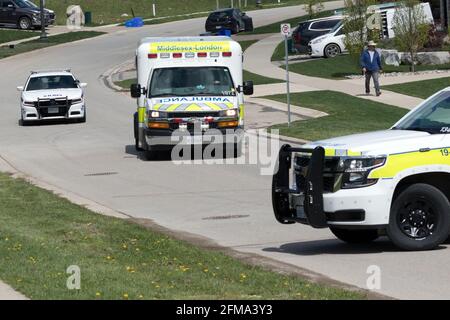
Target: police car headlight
[(356, 171), (229, 113), (77, 101), (28, 103)]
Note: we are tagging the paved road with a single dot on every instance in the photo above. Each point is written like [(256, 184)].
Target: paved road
[(183, 197)]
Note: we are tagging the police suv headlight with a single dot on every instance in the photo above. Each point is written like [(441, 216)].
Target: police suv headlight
[(357, 170), (27, 103), (229, 113)]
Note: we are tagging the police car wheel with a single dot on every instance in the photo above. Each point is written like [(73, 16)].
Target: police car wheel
[(420, 218), (355, 236)]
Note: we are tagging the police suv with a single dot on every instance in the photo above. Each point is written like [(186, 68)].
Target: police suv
[(52, 95), (394, 182)]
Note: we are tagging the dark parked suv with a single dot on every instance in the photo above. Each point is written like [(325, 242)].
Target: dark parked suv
[(232, 19), (23, 14), (308, 30)]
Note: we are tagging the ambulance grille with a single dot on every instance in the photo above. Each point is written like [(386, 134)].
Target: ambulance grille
[(193, 114)]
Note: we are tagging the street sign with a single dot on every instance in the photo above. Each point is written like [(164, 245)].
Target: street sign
[(285, 29)]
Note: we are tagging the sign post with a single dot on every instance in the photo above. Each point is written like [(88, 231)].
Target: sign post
[(42, 14), (286, 31)]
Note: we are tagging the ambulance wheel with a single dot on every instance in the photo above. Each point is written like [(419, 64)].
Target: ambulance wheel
[(237, 150), (151, 155), (136, 132), (420, 218), (355, 236)]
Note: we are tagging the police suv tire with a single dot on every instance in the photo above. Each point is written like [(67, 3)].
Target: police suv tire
[(24, 23), (355, 235), (235, 28), (436, 203)]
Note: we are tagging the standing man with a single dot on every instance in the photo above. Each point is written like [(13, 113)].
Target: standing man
[(371, 66)]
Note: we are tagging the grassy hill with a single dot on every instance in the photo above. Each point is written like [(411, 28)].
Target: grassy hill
[(110, 11)]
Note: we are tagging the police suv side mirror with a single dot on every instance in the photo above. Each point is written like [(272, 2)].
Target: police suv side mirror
[(20, 88), (135, 90), (83, 84), (248, 88)]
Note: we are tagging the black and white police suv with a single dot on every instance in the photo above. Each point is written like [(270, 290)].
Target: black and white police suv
[(52, 95)]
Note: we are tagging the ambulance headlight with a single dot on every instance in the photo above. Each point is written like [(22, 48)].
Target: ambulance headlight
[(357, 170), (158, 114), (229, 113)]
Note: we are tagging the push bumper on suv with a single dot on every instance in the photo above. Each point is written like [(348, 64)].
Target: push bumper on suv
[(316, 201)]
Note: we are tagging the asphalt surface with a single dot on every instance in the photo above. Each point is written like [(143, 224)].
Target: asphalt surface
[(230, 204)]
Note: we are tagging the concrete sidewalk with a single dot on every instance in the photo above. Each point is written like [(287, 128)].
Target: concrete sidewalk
[(260, 63), (8, 293)]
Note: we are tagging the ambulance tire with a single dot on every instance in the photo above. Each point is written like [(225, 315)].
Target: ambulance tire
[(237, 150), (356, 235), (413, 210), (151, 155), (136, 132)]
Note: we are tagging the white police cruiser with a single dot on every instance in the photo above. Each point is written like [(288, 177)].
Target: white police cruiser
[(51, 95)]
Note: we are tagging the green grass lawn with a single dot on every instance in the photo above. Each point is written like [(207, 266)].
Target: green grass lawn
[(421, 89), (7, 35), (346, 115), (344, 65), (110, 11), (31, 45), (41, 235)]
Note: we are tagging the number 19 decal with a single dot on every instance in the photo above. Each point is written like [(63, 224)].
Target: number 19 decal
[(445, 152)]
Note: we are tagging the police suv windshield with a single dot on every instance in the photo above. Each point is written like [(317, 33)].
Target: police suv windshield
[(431, 117), (51, 82), (191, 81)]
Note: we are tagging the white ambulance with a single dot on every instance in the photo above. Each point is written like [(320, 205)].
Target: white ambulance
[(392, 182), (190, 91)]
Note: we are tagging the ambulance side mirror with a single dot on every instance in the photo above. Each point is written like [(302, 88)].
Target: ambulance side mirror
[(135, 90), (248, 88)]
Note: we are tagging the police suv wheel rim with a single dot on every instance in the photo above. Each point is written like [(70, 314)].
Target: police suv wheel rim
[(417, 219)]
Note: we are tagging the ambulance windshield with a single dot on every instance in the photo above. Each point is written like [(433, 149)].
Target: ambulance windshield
[(191, 81)]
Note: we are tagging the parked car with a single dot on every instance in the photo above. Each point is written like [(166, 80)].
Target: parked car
[(52, 95), (329, 45), (311, 29), (23, 14), (230, 18)]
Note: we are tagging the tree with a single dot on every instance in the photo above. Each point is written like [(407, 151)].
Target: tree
[(356, 28), (411, 28), (312, 7)]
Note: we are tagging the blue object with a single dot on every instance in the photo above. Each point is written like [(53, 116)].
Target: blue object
[(134, 23), (374, 65), (224, 32)]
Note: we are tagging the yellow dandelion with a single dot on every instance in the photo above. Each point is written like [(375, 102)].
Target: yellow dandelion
[(205, 270), (98, 294), (125, 295)]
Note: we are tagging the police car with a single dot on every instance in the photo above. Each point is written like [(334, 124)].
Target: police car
[(52, 95), (392, 182)]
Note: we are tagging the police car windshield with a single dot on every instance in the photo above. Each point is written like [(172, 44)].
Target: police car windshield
[(51, 82), (432, 117), (191, 81)]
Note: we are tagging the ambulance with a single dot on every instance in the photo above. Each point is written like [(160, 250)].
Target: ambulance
[(190, 91), (392, 182)]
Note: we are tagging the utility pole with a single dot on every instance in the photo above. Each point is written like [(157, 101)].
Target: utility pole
[(43, 33)]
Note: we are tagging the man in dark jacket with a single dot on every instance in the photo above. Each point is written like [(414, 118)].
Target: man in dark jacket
[(371, 66)]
